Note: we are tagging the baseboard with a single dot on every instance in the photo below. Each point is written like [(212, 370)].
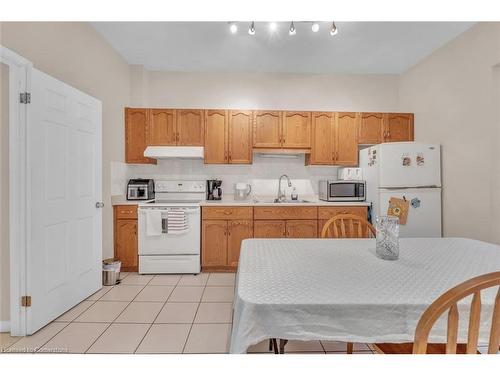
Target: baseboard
[(4, 325)]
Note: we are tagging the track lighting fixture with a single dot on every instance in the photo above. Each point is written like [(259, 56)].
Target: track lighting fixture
[(333, 30), (251, 30), (273, 27)]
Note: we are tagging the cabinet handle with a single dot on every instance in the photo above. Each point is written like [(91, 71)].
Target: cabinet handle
[(389, 134)]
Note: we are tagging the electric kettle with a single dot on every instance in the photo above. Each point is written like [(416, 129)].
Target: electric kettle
[(241, 191)]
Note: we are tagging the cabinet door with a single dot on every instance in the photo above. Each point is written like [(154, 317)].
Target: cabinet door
[(126, 243), (240, 137), (370, 128), (136, 124), (269, 229), (398, 127), (346, 139), (161, 131), (301, 228), (190, 127), (214, 243), (322, 150), (238, 230), (216, 137), (267, 129), (296, 130)]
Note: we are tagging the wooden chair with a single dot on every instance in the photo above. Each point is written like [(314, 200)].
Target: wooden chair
[(448, 302), (347, 226)]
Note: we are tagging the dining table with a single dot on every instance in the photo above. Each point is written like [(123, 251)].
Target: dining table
[(339, 290)]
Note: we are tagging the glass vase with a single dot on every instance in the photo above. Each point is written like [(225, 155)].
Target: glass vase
[(387, 237)]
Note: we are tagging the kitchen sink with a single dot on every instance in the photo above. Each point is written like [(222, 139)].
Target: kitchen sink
[(273, 201)]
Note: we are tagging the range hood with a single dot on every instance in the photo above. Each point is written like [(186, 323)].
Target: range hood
[(174, 152), (280, 153)]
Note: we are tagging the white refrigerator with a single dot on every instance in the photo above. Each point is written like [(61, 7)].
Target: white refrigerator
[(410, 171)]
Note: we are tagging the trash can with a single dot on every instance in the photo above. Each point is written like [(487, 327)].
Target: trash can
[(111, 271)]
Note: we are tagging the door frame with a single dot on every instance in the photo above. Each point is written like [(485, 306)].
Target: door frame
[(19, 71)]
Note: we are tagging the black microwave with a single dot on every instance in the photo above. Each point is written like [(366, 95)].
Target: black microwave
[(342, 191)]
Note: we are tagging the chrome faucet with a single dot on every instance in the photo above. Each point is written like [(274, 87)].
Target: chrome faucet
[(281, 194)]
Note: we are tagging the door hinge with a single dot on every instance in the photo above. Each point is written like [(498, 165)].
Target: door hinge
[(25, 98), (26, 301)]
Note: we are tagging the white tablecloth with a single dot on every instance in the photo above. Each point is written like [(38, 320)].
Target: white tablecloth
[(336, 289)]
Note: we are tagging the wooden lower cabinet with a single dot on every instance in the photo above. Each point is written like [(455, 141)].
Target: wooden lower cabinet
[(285, 228), (269, 229), (238, 230), (301, 228), (125, 237), (223, 229), (214, 240)]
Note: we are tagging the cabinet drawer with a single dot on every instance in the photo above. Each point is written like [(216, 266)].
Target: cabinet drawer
[(273, 212), (329, 212), (126, 212), (227, 212)]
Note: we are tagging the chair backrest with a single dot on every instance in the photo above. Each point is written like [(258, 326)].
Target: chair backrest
[(347, 226), (448, 301)]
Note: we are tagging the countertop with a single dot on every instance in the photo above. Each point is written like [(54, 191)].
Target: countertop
[(119, 200), (251, 202)]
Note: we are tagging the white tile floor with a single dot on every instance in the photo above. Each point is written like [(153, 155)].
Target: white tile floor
[(153, 314)]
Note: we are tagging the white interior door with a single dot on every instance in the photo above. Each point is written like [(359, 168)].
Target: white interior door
[(64, 181)]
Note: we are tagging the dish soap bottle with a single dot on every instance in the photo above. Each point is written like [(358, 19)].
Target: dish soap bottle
[(295, 195)]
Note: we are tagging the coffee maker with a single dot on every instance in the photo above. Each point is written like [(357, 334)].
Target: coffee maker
[(214, 190)]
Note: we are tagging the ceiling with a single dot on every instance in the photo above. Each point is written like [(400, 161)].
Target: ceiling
[(358, 48)]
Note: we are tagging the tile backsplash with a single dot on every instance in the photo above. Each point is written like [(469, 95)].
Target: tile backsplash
[(262, 168)]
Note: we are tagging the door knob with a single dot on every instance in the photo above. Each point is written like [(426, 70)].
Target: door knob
[(99, 204)]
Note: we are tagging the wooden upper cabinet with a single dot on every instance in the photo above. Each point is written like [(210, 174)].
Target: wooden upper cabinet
[(162, 127), (238, 230), (240, 137), (301, 228), (398, 127), (136, 135), (322, 145), (346, 139), (296, 130), (269, 228), (370, 128), (267, 130), (216, 132), (190, 127), (214, 243)]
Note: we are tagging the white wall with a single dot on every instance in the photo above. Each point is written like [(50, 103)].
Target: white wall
[(265, 91), (452, 94)]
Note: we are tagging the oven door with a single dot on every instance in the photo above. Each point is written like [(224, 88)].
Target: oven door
[(187, 243)]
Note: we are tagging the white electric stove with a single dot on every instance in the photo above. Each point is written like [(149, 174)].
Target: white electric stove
[(171, 253)]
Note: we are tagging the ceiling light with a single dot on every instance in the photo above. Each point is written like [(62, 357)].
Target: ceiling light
[(273, 26), (315, 27), (251, 30), (334, 30), (233, 28), (293, 30)]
